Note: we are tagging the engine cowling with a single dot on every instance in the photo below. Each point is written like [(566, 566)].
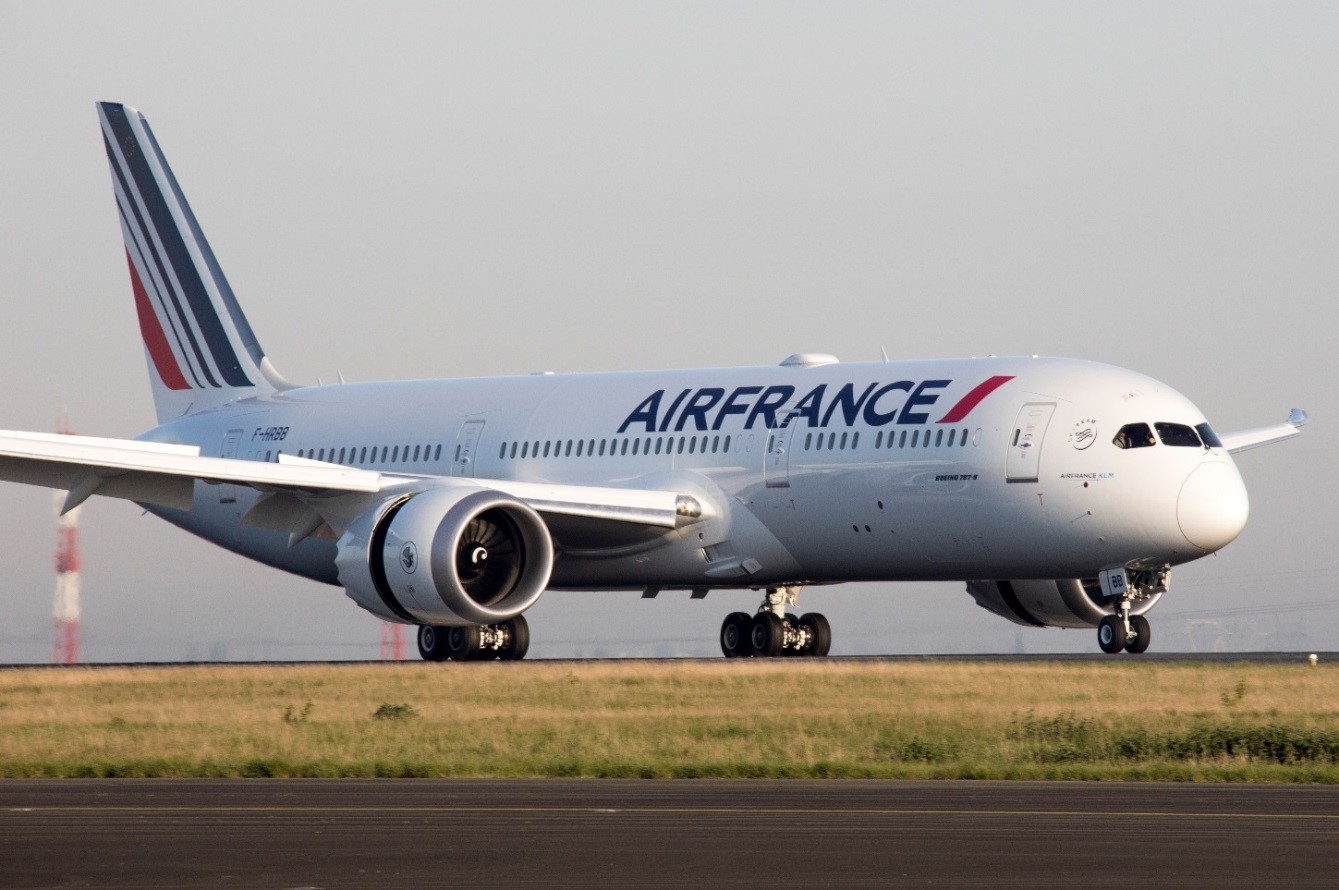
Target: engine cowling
[(1069, 602), (452, 555)]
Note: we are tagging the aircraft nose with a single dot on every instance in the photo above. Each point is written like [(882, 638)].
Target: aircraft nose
[(1212, 506)]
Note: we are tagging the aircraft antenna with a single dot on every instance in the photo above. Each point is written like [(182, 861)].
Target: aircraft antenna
[(66, 612)]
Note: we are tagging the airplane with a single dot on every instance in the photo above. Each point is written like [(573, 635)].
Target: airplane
[(1061, 492)]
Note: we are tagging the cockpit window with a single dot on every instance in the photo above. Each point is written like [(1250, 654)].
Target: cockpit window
[(1208, 435), (1134, 435), (1178, 435)]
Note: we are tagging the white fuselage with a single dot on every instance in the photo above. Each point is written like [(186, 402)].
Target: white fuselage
[(810, 474)]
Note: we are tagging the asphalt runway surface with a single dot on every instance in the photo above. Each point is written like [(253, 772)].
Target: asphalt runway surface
[(630, 833)]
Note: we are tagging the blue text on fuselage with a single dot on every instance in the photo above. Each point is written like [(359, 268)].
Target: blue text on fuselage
[(773, 407)]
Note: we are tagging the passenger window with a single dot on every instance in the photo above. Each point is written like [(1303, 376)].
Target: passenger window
[(1210, 438), (855, 439), (1178, 435), (417, 448), (952, 434), (915, 437), (902, 440), (547, 445), (623, 449), (939, 438), (727, 444), (843, 444), (580, 445), (1134, 435), (681, 444), (437, 453)]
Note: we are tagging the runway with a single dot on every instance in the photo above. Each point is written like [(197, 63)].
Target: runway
[(579, 833)]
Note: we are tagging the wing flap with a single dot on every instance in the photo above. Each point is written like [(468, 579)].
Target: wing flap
[(300, 496), (154, 473)]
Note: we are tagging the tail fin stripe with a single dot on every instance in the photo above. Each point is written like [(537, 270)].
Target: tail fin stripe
[(245, 335), (187, 275), (155, 304), (162, 284), (160, 351)]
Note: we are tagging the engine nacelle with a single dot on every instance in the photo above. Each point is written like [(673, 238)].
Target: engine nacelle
[(453, 555), (1070, 602)]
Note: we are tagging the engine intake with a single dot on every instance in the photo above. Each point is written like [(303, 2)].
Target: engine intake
[(454, 555)]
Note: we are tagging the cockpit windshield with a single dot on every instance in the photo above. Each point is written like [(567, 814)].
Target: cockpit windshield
[(1208, 435), (1134, 435), (1178, 435)]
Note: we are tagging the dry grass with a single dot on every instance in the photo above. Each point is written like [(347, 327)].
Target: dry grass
[(1119, 720)]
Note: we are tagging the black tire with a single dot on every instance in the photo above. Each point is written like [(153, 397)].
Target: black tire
[(432, 642), (462, 643), (819, 631), (518, 639), (766, 633), (735, 635), (1111, 634), (1143, 635)]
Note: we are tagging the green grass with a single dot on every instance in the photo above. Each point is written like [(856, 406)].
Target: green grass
[(783, 718)]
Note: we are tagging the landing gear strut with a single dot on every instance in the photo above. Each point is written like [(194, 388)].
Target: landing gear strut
[(1126, 587), (508, 641), (774, 631)]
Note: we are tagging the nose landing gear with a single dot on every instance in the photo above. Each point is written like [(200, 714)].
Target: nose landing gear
[(773, 631), (1129, 632)]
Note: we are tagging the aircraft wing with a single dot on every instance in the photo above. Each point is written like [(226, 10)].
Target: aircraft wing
[(1265, 435), (296, 490)]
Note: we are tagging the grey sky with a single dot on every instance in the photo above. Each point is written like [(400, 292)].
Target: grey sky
[(425, 190)]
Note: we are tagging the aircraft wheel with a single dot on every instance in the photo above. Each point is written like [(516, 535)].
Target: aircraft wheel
[(462, 643), (1111, 634), (767, 634), (735, 635), (820, 634), (1143, 635), (432, 642), (518, 639)]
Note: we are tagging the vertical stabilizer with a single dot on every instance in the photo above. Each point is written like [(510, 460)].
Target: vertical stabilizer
[(201, 350)]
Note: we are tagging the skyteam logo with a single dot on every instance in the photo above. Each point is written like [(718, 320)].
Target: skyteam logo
[(774, 407), (1083, 434)]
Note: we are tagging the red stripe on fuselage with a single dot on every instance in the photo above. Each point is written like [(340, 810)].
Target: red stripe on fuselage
[(154, 338), (973, 398)]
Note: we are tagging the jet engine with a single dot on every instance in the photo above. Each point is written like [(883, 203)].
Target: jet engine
[(1069, 602), (452, 555)]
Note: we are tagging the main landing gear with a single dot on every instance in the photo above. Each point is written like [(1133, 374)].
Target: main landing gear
[(774, 631), (507, 641)]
